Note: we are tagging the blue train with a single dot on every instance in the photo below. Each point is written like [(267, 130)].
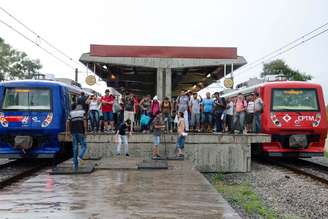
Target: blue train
[(33, 113)]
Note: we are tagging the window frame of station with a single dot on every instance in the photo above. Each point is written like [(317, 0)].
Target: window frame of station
[(29, 110), (294, 110)]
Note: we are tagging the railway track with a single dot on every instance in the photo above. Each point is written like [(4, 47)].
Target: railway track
[(316, 171), (15, 170)]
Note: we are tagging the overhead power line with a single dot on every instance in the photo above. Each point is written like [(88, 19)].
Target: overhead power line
[(27, 38), (39, 37), (285, 51), (259, 61)]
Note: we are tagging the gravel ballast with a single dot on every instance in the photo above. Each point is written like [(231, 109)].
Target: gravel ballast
[(289, 194)]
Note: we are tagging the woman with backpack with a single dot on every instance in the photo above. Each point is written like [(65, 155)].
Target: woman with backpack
[(145, 108)]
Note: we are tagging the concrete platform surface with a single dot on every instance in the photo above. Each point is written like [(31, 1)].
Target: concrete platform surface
[(179, 192), (153, 164), (208, 152)]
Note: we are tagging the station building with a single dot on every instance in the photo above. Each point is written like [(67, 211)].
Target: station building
[(160, 70)]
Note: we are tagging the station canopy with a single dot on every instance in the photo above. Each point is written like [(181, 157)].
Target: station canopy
[(160, 70)]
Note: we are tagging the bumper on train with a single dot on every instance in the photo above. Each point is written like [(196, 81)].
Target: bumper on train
[(6, 152)]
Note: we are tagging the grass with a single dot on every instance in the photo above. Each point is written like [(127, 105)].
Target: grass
[(326, 154), (243, 196)]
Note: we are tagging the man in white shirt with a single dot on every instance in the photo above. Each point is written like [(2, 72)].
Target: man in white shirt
[(250, 113)]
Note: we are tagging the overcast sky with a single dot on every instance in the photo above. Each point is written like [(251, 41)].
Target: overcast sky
[(255, 27)]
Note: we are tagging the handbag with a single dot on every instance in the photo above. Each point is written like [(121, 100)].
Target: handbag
[(176, 120)]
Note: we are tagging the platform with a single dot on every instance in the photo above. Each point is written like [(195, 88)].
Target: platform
[(178, 192), (208, 152)]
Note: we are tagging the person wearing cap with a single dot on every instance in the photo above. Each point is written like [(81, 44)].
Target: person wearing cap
[(107, 102), (75, 125), (123, 130)]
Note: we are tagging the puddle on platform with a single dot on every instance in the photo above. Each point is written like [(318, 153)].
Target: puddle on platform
[(112, 194)]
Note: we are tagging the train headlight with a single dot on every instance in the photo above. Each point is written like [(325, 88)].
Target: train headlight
[(275, 120), (317, 120), (277, 123), (47, 121), (3, 120)]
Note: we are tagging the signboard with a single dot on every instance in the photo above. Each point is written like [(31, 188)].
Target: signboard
[(90, 80), (228, 83)]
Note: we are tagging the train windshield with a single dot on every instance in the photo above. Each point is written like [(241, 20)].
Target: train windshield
[(27, 99), (294, 100)]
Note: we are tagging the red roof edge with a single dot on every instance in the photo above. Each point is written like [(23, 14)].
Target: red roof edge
[(163, 51)]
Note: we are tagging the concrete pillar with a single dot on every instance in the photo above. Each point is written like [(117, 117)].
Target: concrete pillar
[(159, 83), (168, 82)]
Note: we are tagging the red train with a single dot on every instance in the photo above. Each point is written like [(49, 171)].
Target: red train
[(294, 114)]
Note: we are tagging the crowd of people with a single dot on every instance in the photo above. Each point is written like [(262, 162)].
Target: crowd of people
[(209, 114), (189, 112)]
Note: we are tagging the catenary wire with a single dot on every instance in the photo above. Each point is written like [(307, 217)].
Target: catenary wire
[(284, 51), (255, 62), (39, 37), (24, 36)]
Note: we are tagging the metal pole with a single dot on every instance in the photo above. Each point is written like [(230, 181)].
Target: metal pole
[(76, 75), (225, 70), (231, 70)]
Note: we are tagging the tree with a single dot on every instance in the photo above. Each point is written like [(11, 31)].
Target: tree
[(279, 67), (15, 64)]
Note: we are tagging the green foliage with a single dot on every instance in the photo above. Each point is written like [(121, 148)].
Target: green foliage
[(218, 177), (279, 67), (244, 196), (15, 64)]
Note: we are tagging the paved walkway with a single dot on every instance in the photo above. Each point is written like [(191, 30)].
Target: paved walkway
[(179, 192)]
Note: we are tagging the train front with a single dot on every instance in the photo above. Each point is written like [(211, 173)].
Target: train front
[(28, 125), (295, 116)]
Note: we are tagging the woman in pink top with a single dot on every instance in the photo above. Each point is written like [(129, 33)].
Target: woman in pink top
[(239, 117)]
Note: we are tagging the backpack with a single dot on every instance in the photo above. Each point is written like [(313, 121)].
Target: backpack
[(144, 120), (261, 107), (116, 107)]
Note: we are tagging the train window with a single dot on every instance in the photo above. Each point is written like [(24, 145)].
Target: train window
[(299, 99), (27, 99), (72, 99)]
